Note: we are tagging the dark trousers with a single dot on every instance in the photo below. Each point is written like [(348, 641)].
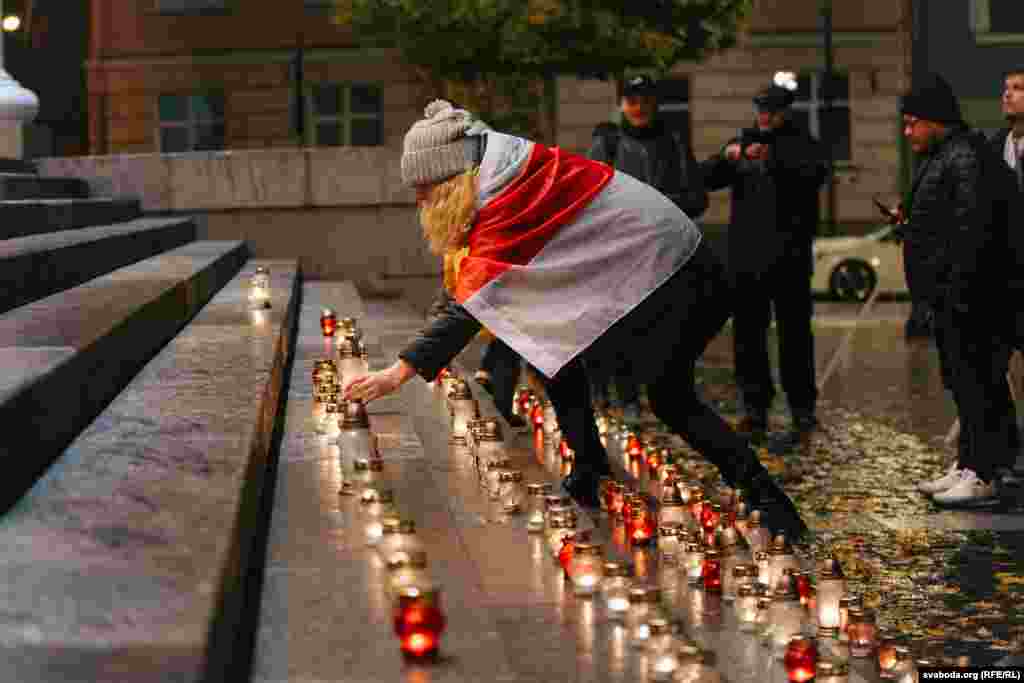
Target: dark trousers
[(785, 289), (667, 333), (973, 362), (504, 365)]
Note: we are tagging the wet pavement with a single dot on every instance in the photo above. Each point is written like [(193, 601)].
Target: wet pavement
[(950, 581)]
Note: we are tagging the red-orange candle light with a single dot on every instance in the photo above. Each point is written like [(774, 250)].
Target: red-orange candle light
[(803, 587), (525, 401), (633, 447), (654, 459), (566, 553), (641, 527), (711, 572), (614, 498), (418, 621), (567, 453), (801, 660), (710, 516), (328, 322), (537, 416)]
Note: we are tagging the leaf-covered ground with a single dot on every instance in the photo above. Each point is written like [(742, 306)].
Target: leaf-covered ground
[(952, 592)]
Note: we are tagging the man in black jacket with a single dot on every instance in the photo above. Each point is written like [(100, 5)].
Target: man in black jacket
[(954, 251), (775, 170), (645, 148)]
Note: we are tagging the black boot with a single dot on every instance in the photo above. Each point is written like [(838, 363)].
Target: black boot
[(777, 510)]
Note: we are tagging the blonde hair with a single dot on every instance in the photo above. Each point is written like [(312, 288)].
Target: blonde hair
[(448, 214)]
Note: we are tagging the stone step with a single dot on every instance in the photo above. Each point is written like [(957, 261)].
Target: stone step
[(20, 217), (66, 356), (36, 266), (17, 166), (127, 560), (31, 186)]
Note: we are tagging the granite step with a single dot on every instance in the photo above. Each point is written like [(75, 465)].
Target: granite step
[(31, 186), (64, 358), (128, 559), (36, 266), (20, 217)]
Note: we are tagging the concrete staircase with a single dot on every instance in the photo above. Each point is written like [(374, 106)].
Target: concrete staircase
[(139, 394)]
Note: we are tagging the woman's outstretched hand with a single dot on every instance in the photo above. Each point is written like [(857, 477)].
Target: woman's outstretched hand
[(377, 384)]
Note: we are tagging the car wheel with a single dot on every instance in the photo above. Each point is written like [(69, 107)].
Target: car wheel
[(852, 281)]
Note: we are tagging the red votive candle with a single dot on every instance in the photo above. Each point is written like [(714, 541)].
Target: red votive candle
[(710, 516), (711, 571), (641, 526), (418, 621), (566, 553), (653, 458), (633, 447), (537, 416), (328, 322), (801, 660)]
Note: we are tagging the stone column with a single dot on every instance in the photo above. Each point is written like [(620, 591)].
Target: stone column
[(18, 106)]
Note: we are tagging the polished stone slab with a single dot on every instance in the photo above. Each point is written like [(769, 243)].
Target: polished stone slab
[(71, 353), (127, 560), (36, 266)]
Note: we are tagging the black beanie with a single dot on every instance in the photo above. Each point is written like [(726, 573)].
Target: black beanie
[(932, 100)]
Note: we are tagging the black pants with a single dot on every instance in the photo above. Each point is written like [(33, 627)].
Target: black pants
[(974, 362), (666, 335), (504, 365), (785, 289)]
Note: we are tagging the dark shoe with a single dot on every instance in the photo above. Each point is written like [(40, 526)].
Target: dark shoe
[(582, 486), (778, 512)]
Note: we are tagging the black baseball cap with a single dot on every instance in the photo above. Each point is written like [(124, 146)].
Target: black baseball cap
[(640, 85)]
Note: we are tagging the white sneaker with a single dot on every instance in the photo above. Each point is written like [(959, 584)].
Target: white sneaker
[(947, 481), (970, 491)]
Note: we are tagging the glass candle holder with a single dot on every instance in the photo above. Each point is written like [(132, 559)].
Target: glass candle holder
[(491, 472), (565, 451), (742, 520), (463, 409), (355, 441), (801, 659), (661, 648), (328, 322), (377, 506), (447, 379), (672, 511), (758, 537), (831, 671), (764, 610), (550, 419), (350, 359), (668, 541), (615, 589), (399, 541), (366, 473), (846, 603), (745, 607), (830, 589), (711, 574), (694, 562), (325, 380), (895, 662), (634, 448), (643, 606), (654, 461), (641, 527), (568, 551), (349, 327), (863, 631), (668, 475), (696, 504), (535, 494), (559, 528), (616, 498), (780, 558), (259, 288), (537, 417), (510, 491), (834, 647), (743, 574), (586, 569), (491, 444), (419, 621), (404, 571), (710, 516)]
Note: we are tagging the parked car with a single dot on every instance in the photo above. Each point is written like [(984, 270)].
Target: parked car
[(849, 268)]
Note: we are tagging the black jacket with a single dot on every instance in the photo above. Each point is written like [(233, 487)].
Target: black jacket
[(955, 237), (657, 157), (774, 202), (1015, 236)]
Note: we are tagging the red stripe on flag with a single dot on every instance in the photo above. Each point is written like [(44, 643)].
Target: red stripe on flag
[(513, 228)]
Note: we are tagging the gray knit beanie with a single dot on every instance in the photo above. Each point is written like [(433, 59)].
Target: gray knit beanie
[(438, 147)]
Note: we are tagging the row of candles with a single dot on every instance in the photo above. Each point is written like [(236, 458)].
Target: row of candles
[(717, 545), (722, 549), (417, 616)]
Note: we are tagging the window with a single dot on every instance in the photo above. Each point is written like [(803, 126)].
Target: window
[(808, 110), (319, 6), (345, 114), (191, 123), (998, 21), (190, 6), (674, 105)]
